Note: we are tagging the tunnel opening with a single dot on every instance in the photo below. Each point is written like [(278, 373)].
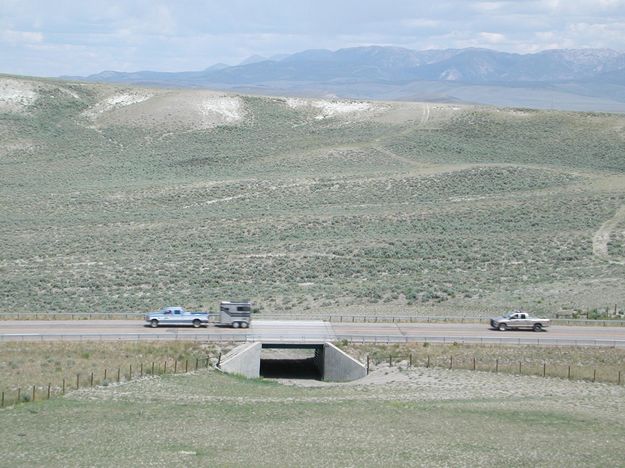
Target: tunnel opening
[(290, 362)]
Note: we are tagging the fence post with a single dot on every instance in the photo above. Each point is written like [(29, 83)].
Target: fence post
[(105, 374), (368, 365), (196, 363), (33, 393), (390, 360), (91, 380), (451, 362), (569, 373), (141, 370), (2, 400), (77, 381), (594, 375), (63, 392), (544, 369), (428, 363), (410, 360), (186, 366), (19, 394), (496, 365), (473, 362), (519, 367), (119, 372), (219, 360), (619, 377), (165, 368), (175, 366), (130, 372), (152, 367), (48, 390)]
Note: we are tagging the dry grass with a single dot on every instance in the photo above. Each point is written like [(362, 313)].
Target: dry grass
[(23, 365), (577, 363), (394, 417)]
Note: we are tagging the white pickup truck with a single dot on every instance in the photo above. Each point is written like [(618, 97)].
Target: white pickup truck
[(231, 314), (519, 320), (176, 316)]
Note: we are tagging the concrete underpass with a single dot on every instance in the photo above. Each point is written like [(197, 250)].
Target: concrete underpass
[(322, 361)]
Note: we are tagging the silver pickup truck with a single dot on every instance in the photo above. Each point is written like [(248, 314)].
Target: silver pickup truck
[(518, 320), (176, 316)]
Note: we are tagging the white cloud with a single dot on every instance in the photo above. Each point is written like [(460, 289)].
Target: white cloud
[(492, 38), (21, 37), (419, 23)]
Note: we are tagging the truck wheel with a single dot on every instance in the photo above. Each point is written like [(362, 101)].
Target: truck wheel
[(196, 323), (154, 323), (502, 327), (235, 324), (244, 324), (537, 327)]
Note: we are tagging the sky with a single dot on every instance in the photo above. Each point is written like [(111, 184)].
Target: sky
[(78, 37)]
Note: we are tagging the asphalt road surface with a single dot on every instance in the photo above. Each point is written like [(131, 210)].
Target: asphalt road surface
[(307, 331)]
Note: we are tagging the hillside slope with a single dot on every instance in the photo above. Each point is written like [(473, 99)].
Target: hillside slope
[(126, 198)]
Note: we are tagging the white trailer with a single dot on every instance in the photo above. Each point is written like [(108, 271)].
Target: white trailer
[(235, 314)]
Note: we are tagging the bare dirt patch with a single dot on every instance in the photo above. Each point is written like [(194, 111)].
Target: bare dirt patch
[(16, 95), (601, 238), (167, 110), (116, 101), (327, 109)]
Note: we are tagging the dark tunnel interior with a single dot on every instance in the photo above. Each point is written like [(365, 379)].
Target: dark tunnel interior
[(289, 364)]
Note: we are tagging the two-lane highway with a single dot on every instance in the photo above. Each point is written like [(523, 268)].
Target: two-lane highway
[(311, 330)]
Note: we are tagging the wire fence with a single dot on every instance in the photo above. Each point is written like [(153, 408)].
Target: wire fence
[(105, 377), (604, 374), (340, 318)]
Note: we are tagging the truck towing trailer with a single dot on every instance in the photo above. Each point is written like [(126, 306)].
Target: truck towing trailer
[(231, 314)]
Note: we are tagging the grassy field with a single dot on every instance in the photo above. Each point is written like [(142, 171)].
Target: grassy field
[(129, 199), (399, 415), (394, 417), (24, 365)]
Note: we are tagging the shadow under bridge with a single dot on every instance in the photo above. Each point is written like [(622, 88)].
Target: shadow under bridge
[(293, 360)]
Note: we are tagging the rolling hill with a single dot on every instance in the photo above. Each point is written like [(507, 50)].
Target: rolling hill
[(127, 198)]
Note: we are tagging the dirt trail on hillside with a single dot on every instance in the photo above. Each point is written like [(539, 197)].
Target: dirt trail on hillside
[(602, 237)]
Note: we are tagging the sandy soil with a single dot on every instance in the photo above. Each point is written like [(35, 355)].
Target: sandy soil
[(398, 383), (602, 237), (326, 109), (167, 110), (16, 95), (116, 101), (435, 384)]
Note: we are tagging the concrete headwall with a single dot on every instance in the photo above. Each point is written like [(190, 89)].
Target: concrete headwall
[(339, 366), (334, 365), (243, 360)]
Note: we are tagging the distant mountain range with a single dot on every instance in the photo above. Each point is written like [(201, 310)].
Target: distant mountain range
[(576, 79)]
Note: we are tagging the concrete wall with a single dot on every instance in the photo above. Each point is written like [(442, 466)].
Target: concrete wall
[(333, 364), (339, 366), (243, 360)]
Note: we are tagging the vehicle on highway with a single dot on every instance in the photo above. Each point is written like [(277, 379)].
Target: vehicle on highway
[(235, 314), (231, 314), (176, 316), (519, 320)]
